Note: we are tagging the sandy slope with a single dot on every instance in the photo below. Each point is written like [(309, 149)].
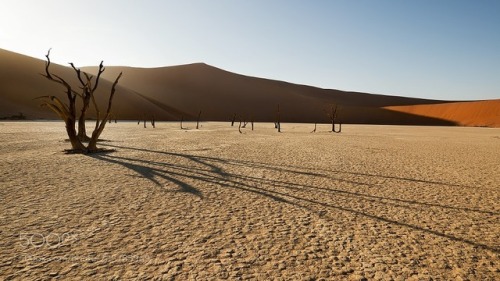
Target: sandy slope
[(21, 83), (220, 94), (479, 113), (378, 202)]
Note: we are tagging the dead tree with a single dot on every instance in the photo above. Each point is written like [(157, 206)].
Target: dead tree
[(68, 112), (251, 121), (239, 127), (182, 119), (144, 120), (314, 131), (232, 120), (333, 115), (278, 123), (198, 120), (153, 121)]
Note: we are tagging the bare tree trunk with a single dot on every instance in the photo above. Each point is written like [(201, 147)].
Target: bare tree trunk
[(234, 119), (239, 128), (100, 125), (198, 121), (82, 132), (144, 122), (333, 116), (314, 131), (153, 122), (76, 142), (252, 122), (86, 96), (182, 119), (278, 123)]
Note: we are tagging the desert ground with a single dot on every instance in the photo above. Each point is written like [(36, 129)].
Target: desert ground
[(371, 203)]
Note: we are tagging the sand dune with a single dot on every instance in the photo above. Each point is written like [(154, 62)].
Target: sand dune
[(170, 93), (220, 94), (21, 83), (479, 113)]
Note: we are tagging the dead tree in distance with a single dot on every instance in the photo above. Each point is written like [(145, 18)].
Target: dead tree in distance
[(153, 121), (333, 115), (278, 122), (232, 120), (67, 112), (198, 120), (239, 127), (314, 131)]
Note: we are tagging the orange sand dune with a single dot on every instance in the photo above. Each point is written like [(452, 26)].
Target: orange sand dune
[(476, 113), (172, 93)]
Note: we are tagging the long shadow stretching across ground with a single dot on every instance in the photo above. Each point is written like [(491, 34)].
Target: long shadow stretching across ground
[(211, 170)]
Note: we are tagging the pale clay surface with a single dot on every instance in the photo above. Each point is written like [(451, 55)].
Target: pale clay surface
[(374, 202)]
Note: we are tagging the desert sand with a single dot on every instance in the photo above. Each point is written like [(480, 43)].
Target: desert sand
[(371, 203)]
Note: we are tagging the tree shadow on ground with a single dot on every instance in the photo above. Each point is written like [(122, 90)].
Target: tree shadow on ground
[(185, 170)]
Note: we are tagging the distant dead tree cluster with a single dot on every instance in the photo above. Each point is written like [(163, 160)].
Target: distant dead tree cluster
[(333, 116), (243, 121), (80, 141), (198, 120), (144, 120)]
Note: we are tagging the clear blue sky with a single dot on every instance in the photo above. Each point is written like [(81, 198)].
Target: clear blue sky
[(440, 49)]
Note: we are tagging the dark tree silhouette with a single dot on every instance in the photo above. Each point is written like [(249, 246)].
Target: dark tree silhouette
[(68, 112), (314, 131), (278, 122), (198, 120), (232, 120), (87, 94), (333, 115)]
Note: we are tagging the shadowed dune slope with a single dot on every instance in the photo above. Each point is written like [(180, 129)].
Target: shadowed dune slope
[(21, 83), (172, 93), (220, 94)]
